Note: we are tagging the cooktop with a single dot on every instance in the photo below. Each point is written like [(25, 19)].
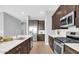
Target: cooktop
[(68, 39)]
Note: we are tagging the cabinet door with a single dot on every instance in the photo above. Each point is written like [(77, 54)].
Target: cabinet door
[(41, 25), (70, 8), (24, 48), (16, 50), (61, 12), (77, 16), (51, 43), (40, 37), (29, 45), (55, 22), (56, 17)]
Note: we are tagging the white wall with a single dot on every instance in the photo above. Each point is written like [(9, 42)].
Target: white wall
[(12, 26), (27, 24), (48, 23), (23, 28), (48, 27), (1, 23)]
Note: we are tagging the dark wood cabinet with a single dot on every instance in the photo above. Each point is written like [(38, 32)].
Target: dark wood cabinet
[(23, 48), (70, 8), (16, 50), (55, 22), (51, 43), (77, 16), (41, 37), (68, 50), (41, 25), (62, 11), (29, 45)]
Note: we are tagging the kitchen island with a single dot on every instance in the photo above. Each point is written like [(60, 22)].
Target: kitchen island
[(17, 46)]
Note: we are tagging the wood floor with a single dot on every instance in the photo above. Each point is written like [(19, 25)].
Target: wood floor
[(40, 48)]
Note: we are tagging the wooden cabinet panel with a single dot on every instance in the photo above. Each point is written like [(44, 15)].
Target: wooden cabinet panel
[(29, 44), (40, 37), (70, 8), (77, 16), (56, 22), (41, 25), (51, 43), (62, 11), (16, 50), (23, 48)]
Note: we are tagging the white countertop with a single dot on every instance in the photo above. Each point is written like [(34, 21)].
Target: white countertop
[(56, 36), (74, 46), (6, 46)]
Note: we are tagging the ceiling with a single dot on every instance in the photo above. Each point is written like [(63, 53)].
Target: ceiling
[(34, 11)]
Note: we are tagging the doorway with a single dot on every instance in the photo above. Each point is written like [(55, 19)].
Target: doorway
[(37, 30)]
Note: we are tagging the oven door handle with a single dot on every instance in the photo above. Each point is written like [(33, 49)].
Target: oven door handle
[(60, 44)]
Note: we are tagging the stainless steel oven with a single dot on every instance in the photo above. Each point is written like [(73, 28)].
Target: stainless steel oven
[(58, 47)]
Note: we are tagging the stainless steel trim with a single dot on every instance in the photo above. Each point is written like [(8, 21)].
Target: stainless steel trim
[(60, 45)]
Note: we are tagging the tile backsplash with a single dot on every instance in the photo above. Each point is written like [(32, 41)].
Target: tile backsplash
[(73, 29), (41, 32), (63, 32), (59, 33)]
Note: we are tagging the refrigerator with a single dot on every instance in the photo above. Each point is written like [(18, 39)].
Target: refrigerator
[(33, 29)]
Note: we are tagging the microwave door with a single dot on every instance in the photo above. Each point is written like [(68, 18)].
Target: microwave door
[(64, 22), (70, 19)]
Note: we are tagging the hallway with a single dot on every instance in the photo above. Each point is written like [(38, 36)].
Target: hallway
[(40, 48)]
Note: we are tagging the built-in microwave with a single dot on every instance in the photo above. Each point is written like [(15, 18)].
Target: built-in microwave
[(67, 20)]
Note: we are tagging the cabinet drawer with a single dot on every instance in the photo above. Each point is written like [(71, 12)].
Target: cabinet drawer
[(51, 42)]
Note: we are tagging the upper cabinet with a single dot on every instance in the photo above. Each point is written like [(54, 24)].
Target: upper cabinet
[(77, 15), (61, 12), (41, 25)]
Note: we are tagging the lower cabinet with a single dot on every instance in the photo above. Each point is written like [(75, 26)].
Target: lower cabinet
[(51, 42), (41, 37), (68, 50), (16, 50), (23, 48)]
